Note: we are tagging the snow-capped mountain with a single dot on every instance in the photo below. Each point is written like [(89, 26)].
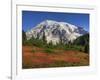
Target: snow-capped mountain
[(56, 31)]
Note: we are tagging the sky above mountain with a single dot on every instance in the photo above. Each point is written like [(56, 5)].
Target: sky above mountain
[(31, 18)]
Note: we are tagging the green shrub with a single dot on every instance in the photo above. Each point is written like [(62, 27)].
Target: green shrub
[(48, 50), (33, 51)]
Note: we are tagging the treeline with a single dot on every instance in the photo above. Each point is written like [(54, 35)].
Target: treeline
[(80, 44)]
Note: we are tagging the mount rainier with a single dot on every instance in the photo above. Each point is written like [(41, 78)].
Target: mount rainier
[(55, 31)]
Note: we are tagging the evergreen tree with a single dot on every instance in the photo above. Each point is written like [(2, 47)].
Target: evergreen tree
[(86, 49), (37, 36), (44, 38), (23, 37)]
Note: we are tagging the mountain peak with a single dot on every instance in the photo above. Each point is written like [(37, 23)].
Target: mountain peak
[(48, 20), (56, 31)]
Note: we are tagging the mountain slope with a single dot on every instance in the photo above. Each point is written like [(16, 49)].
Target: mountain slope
[(82, 40), (56, 32)]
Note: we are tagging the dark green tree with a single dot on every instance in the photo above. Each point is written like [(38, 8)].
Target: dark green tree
[(23, 37), (44, 38), (37, 36), (86, 48)]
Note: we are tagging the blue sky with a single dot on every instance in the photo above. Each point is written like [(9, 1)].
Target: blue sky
[(32, 18)]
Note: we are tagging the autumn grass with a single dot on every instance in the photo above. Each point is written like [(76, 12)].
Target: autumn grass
[(34, 57)]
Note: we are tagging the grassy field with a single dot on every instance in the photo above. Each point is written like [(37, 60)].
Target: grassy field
[(35, 57)]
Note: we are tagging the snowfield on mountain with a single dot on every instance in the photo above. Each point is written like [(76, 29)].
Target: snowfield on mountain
[(55, 31)]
